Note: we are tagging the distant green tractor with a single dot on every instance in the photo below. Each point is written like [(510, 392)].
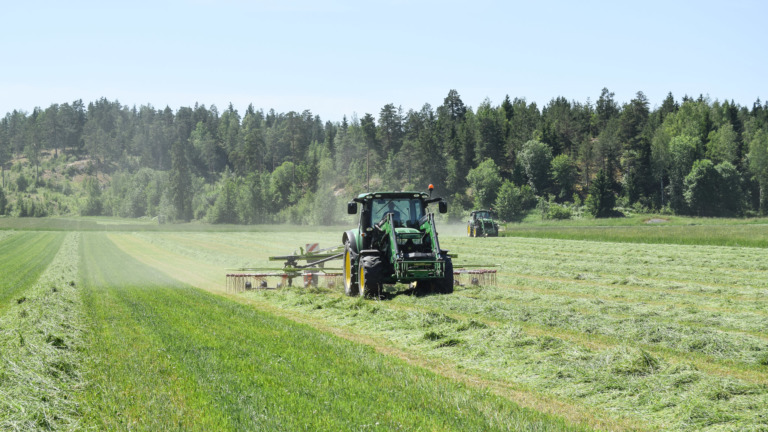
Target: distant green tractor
[(395, 242), (481, 224)]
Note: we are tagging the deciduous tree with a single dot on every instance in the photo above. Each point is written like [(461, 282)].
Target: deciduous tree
[(536, 160)]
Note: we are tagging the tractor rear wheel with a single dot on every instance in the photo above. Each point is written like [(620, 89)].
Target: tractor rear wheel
[(369, 276), (350, 282)]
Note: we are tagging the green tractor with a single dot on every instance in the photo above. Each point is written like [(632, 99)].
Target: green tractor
[(481, 224), (395, 242)]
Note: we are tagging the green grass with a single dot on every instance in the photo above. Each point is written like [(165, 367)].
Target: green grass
[(638, 229), (166, 356), (41, 336), (669, 337), (614, 334), (110, 224), (24, 257)]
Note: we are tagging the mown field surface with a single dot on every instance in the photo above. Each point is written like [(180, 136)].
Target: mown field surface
[(613, 335), (142, 350), (581, 334)]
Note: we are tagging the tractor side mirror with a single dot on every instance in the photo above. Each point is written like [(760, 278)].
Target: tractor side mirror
[(351, 207), (442, 207)]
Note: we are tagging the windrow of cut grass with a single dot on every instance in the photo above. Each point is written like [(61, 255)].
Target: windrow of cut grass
[(167, 356), (660, 336), (41, 347)]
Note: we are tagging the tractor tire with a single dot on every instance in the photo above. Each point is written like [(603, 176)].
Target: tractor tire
[(369, 276), (350, 281), (469, 230), (445, 285), (424, 287)]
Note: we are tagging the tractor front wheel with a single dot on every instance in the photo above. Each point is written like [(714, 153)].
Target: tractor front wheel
[(445, 285), (350, 282), (423, 287), (369, 276)]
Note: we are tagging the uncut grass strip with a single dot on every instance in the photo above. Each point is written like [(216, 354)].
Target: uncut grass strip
[(41, 349), (133, 383), (171, 262), (25, 257), (251, 363)]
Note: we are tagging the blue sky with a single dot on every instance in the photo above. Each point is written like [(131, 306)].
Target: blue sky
[(342, 57)]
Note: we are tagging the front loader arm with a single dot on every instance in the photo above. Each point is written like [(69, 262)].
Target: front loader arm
[(429, 229), (387, 239)]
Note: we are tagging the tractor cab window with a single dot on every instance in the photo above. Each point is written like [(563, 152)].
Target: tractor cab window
[(405, 212), (483, 215)]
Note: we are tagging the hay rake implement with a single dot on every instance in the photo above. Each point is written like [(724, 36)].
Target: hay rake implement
[(311, 274), (314, 273)]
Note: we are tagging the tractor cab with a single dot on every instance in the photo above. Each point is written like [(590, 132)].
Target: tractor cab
[(406, 212)]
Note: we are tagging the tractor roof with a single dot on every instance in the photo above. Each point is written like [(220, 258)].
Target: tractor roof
[(490, 212), (404, 194)]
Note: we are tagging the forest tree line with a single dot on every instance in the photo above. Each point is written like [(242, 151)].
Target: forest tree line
[(693, 156)]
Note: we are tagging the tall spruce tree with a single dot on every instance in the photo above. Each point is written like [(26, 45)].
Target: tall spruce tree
[(601, 199)]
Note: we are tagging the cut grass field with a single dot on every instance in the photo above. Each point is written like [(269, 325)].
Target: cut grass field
[(647, 336), (607, 335), (651, 229)]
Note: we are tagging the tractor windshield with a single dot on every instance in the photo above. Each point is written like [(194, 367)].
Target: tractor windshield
[(483, 215), (406, 212)]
